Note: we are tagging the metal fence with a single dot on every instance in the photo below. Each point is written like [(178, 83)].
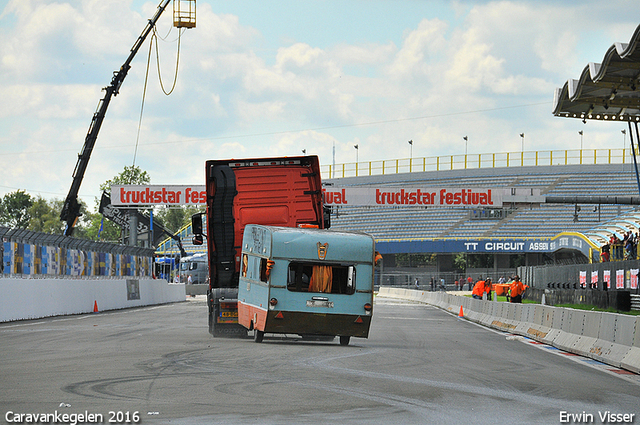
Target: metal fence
[(486, 160), (431, 279), (33, 254), (618, 275), (606, 285)]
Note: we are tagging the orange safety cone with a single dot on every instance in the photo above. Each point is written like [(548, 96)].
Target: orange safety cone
[(461, 314), (95, 306)]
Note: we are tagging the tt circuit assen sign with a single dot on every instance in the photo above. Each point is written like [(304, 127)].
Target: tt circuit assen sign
[(572, 241), (138, 195), (413, 196)]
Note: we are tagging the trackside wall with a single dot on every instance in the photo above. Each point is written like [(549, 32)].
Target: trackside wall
[(607, 337), (37, 298)]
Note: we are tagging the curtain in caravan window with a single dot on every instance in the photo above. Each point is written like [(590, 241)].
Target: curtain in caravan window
[(321, 279)]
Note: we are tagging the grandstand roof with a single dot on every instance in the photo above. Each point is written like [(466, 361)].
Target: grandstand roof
[(607, 90)]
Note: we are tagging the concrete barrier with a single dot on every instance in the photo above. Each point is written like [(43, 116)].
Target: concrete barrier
[(37, 298), (589, 333), (539, 322), (525, 318), (632, 360), (570, 328), (558, 315), (614, 339), (197, 289), (607, 337)]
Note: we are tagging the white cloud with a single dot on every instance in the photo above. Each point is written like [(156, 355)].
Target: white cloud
[(46, 101), (419, 50), (369, 54), (300, 55), (238, 94)]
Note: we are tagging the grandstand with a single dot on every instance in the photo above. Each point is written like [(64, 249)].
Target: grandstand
[(436, 229), (541, 233)]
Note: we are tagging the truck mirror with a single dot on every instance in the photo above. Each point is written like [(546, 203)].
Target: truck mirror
[(196, 225), (197, 240)]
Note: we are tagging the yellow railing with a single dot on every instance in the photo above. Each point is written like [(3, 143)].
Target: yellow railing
[(483, 160)]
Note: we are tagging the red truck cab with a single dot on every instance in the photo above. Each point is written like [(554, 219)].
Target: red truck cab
[(284, 191)]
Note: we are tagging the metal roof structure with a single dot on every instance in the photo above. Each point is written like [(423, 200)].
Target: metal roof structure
[(605, 91)]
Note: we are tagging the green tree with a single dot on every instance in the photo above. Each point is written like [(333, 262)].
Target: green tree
[(14, 209), (45, 216), (460, 262), (480, 261), (174, 218), (130, 175), (91, 226), (111, 232)]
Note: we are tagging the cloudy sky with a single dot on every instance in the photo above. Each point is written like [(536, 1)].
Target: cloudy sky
[(274, 77)]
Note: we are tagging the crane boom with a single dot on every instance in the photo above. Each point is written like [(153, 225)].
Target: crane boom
[(71, 208)]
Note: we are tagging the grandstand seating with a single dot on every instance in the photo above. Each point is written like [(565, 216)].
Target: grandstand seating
[(405, 223), (545, 220)]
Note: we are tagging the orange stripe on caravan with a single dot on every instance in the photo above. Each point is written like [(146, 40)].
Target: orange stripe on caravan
[(249, 313)]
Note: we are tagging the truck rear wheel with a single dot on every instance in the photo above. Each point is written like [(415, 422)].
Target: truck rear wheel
[(258, 336), (344, 340)]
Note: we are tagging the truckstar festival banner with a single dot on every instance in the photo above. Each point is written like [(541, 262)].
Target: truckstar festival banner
[(136, 195), (122, 195), (415, 196)]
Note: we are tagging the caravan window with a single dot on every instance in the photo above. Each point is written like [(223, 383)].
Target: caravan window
[(321, 278), (264, 273), (255, 268)]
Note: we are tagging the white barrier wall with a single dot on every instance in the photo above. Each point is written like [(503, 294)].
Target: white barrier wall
[(607, 337), (36, 298)]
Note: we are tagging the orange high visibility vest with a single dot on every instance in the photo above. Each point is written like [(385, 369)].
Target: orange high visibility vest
[(478, 289), (516, 288)]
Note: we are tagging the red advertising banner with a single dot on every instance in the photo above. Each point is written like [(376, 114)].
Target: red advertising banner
[(123, 195), (606, 277), (619, 279), (416, 196)]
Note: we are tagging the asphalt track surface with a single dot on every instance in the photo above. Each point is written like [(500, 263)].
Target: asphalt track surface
[(419, 365)]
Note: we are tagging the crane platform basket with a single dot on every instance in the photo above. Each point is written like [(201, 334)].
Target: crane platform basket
[(184, 13)]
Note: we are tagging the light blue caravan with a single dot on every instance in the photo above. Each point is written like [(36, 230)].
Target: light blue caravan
[(308, 282)]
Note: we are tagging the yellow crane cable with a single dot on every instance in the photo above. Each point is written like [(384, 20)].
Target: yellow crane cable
[(146, 79), (175, 77), (144, 95)]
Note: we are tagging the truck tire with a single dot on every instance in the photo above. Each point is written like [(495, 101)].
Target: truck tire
[(344, 340), (258, 335)]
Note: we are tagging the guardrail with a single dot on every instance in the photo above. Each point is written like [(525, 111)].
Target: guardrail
[(610, 338), (482, 160)]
